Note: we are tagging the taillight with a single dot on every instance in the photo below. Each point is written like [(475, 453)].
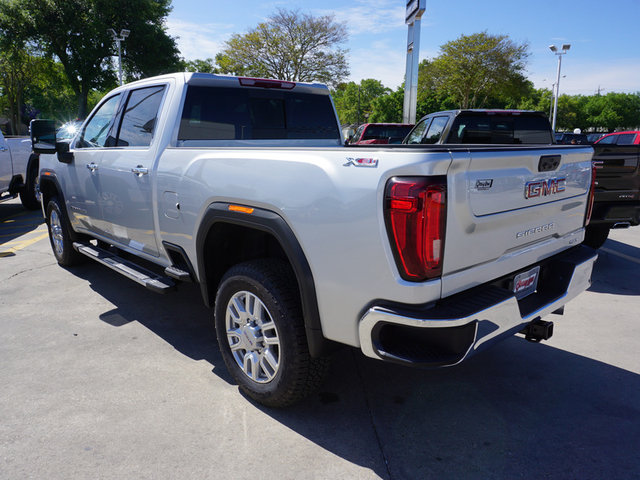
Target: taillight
[(415, 214), (592, 193)]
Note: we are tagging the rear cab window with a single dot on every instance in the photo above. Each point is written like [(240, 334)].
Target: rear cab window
[(500, 129), (214, 113)]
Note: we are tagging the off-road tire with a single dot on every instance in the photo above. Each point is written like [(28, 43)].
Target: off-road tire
[(59, 235), (272, 283)]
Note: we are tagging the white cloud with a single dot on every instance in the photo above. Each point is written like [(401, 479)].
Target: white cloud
[(198, 40), (373, 16)]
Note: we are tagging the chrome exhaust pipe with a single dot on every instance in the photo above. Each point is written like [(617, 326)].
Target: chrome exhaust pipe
[(621, 225)]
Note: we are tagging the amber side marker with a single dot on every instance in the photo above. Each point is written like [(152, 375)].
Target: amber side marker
[(239, 208)]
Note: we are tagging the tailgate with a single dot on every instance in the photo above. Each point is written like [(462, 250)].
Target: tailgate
[(510, 207)]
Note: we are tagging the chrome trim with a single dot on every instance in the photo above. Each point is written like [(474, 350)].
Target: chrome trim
[(505, 315)]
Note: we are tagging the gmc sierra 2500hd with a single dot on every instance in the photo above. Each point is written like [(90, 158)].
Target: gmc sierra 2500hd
[(420, 255)]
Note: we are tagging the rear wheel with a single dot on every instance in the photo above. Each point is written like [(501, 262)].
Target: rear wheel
[(261, 334), (596, 235), (59, 235)]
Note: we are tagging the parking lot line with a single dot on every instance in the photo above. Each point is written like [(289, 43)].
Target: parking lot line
[(19, 245)]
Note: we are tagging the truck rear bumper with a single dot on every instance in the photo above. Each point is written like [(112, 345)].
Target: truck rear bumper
[(447, 332)]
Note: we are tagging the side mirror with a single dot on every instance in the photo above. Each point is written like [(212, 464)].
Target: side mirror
[(64, 155), (43, 136)]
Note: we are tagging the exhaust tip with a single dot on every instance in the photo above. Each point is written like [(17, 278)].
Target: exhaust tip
[(621, 225)]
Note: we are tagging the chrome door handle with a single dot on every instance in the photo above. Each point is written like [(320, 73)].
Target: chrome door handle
[(92, 166), (140, 170), (3, 149)]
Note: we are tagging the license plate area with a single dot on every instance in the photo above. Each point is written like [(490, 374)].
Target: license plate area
[(526, 283)]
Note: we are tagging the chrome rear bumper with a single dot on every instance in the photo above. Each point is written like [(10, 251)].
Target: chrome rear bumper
[(447, 332)]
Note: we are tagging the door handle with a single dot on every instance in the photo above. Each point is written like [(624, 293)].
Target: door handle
[(92, 166), (3, 148), (140, 170)]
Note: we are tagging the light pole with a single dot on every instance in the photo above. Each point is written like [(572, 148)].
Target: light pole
[(565, 48), (124, 33)]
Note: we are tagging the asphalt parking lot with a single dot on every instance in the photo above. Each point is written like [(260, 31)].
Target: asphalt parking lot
[(104, 379)]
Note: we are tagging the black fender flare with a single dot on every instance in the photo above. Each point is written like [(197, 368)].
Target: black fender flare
[(272, 223)]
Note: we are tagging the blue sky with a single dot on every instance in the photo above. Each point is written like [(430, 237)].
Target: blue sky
[(605, 46)]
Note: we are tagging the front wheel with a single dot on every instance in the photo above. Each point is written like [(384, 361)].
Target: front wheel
[(261, 334), (59, 235)]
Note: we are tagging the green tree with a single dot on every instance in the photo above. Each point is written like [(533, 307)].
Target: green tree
[(613, 111), (17, 68), (354, 101), (203, 66), (76, 33), (476, 68), (289, 46), (388, 108)]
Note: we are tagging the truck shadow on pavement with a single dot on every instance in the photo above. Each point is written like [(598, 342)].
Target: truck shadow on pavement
[(617, 270), (542, 413), (15, 221)]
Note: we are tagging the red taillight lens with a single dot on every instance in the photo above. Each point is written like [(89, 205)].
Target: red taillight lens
[(415, 212), (592, 194)]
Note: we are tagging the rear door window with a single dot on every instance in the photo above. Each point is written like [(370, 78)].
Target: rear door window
[(139, 118), (220, 113), (610, 140)]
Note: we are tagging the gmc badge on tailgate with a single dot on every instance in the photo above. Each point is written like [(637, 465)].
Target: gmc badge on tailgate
[(544, 188)]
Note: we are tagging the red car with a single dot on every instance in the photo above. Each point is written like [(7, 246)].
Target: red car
[(380, 133), (620, 138)]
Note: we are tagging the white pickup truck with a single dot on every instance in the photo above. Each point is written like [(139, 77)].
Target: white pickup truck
[(416, 254), (18, 171)]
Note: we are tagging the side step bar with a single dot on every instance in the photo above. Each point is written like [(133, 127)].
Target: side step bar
[(138, 274)]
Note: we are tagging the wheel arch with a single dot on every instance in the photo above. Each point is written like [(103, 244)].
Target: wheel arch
[(227, 237)]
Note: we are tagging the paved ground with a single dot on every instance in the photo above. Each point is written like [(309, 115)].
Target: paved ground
[(102, 379)]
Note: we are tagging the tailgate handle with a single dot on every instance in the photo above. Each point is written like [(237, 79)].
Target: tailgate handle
[(548, 163)]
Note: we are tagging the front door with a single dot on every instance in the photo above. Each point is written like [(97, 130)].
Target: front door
[(126, 195), (83, 174)]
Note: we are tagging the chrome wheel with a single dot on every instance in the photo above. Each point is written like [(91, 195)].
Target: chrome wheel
[(253, 337), (57, 238)]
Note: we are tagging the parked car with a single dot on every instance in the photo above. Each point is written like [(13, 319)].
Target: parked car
[(571, 138), (593, 137), (481, 126), (616, 161), (620, 138), (18, 171), (415, 255), (380, 133)]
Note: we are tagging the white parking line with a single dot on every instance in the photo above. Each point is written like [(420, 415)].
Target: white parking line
[(621, 255)]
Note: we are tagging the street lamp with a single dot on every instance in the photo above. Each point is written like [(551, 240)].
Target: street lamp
[(565, 48), (124, 33)]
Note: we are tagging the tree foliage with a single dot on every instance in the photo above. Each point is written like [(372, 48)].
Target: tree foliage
[(474, 68), (76, 33), (203, 66), (354, 101), (289, 46)]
